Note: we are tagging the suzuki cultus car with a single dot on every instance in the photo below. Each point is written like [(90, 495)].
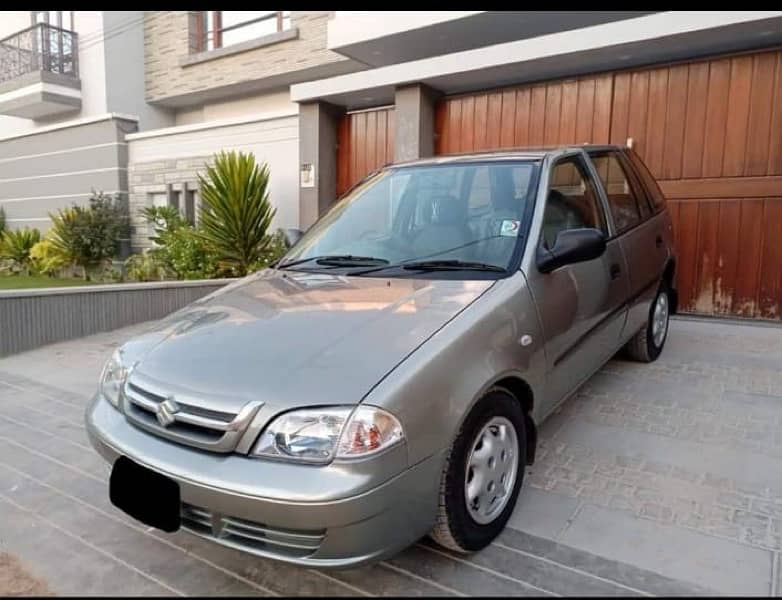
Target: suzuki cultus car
[(386, 378)]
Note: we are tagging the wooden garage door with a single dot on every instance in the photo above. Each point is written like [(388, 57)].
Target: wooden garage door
[(365, 142), (710, 132)]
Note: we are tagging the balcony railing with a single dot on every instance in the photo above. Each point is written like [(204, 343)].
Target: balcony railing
[(41, 47)]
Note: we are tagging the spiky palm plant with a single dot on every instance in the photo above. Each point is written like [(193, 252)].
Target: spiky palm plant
[(2, 220), (235, 212), (16, 244)]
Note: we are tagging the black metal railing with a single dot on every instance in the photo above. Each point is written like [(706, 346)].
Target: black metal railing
[(41, 47)]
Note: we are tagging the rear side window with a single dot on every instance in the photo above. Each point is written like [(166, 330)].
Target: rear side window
[(653, 191), (623, 198)]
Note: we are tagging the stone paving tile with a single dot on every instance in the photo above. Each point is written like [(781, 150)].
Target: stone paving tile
[(728, 403)]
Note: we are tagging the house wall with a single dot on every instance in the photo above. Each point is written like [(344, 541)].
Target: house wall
[(54, 167), (167, 43), (166, 159), (92, 70)]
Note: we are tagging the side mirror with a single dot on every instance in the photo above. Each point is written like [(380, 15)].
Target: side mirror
[(292, 236), (571, 246)]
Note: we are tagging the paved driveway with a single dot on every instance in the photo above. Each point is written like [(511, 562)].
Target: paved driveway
[(654, 479)]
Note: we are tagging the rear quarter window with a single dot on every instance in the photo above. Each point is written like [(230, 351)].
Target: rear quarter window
[(653, 191)]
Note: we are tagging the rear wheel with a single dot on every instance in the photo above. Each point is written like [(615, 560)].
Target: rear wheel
[(482, 474), (647, 344)]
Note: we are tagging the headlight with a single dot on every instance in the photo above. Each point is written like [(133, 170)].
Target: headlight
[(112, 378), (320, 434)]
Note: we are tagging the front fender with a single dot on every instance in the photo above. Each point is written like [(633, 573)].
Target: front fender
[(433, 389)]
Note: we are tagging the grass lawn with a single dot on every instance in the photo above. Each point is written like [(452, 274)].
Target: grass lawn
[(17, 282)]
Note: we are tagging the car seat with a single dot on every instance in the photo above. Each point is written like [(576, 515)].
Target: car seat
[(448, 228)]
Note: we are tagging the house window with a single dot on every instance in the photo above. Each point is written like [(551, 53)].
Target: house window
[(221, 28)]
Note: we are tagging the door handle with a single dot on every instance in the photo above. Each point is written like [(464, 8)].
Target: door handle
[(659, 241), (614, 271)]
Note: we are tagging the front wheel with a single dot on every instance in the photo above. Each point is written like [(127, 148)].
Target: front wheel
[(482, 474), (647, 344)]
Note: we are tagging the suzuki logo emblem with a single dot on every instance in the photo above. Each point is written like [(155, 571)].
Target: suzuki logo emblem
[(166, 412)]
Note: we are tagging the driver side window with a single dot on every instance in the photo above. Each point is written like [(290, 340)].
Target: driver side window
[(572, 201)]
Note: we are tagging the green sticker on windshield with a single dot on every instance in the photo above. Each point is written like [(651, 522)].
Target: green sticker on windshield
[(510, 228)]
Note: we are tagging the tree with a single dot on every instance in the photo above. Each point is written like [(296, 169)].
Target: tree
[(235, 211)]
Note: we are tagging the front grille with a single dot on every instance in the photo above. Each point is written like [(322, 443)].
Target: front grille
[(249, 535), (186, 422)]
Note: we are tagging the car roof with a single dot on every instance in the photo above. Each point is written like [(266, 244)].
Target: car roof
[(521, 153)]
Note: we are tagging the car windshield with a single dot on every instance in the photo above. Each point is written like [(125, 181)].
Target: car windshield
[(452, 217)]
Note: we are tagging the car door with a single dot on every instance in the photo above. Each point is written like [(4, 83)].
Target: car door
[(581, 305), (641, 233)]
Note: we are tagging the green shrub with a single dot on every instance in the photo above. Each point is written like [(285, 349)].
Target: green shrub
[(146, 266), (164, 219), (87, 236), (185, 252), (235, 211), (2, 220), (275, 248), (179, 248), (15, 245), (47, 260)]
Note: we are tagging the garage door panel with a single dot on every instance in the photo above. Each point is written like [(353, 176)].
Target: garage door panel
[(475, 127), (365, 142), (585, 108), (567, 116), (494, 123), (657, 111), (775, 142), (673, 142), (604, 93), (726, 265), (770, 296), (521, 133), (620, 109), (716, 118), (761, 104), (508, 118), (537, 117), (707, 256), (552, 113), (685, 239), (695, 120), (748, 274), (638, 103), (738, 110)]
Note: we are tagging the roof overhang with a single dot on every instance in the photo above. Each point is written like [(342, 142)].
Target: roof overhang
[(655, 38), (384, 37)]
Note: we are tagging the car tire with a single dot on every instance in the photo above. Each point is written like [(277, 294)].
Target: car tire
[(498, 420), (646, 345)]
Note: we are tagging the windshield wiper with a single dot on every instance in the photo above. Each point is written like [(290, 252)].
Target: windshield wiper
[(338, 260), (438, 265)]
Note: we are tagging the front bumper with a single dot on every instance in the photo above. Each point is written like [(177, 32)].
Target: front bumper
[(339, 515)]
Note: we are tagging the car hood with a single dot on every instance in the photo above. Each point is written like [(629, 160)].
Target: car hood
[(291, 338)]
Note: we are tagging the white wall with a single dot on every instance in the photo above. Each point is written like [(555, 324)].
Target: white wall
[(262, 106), (92, 71), (274, 141), (123, 48)]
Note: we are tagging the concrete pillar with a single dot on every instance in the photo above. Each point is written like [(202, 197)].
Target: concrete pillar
[(414, 117), (318, 123)]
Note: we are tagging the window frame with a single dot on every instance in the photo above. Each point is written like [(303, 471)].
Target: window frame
[(633, 182), (587, 171), (203, 33)]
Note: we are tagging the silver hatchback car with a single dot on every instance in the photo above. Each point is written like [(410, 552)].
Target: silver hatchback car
[(385, 380)]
